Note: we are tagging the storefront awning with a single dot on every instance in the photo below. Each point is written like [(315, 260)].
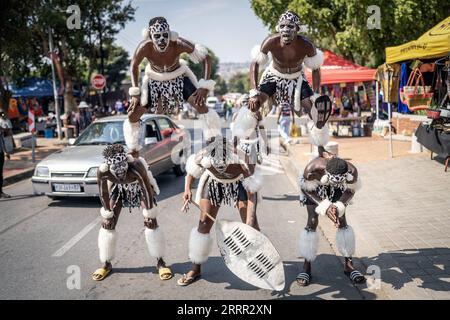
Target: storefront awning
[(434, 43), (336, 69)]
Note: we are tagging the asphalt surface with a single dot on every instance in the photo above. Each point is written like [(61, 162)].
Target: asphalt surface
[(48, 248)]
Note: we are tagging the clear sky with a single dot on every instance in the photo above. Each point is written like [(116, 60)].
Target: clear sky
[(228, 27)]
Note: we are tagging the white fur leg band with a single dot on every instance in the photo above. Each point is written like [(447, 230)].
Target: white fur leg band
[(340, 208), (192, 168), (199, 53), (106, 214), (156, 242), (315, 61), (199, 246), (254, 182), (323, 207), (151, 213), (131, 133), (211, 124), (206, 84), (134, 91), (319, 137), (107, 240), (308, 244), (345, 241)]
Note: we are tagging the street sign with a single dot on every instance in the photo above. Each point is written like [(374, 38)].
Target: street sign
[(98, 81), (31, 120)]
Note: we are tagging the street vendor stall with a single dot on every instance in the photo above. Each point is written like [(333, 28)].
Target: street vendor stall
[(351, 89), (430, 54)]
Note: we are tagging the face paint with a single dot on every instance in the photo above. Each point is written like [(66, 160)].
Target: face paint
[(288, 30), (288, 26), (160, 33), (118, 165)]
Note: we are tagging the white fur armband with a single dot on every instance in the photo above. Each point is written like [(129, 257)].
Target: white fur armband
[(323, 207), (131, 132), (340, 208), (199, 53), (254, 182), (259, 57), (106, 214), (315, 61), (192, 168), (150, 213), (103, 167), (134, 91), (253, 93), (206, 84), (308, 185)]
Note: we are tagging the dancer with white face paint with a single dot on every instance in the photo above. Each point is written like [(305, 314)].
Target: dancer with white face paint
[(168, 81), (327, 186), (228, 174), (284, 79), (125, 181)]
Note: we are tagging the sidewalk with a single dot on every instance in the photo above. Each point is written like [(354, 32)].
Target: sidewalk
[(401, 216), (21, 166)]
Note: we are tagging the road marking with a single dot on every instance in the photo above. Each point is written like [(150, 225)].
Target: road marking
[(60, 252)]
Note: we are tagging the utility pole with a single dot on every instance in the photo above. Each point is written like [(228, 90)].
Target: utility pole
[(102, 62), (55, 92)]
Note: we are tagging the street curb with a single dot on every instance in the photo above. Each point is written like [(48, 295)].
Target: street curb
[(292, 172), (28, 173)]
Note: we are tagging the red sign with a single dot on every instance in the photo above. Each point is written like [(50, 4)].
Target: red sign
[(31, 120), (98, 81)]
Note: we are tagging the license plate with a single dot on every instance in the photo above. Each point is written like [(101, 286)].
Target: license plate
[(66, 187)]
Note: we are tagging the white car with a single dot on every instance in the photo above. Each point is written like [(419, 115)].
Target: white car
[(72, 171)]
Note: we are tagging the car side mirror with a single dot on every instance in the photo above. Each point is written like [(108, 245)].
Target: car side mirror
[(72, 141), (167, 133), (150, 140)]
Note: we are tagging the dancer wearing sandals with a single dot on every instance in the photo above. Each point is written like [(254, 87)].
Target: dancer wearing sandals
[(125, 181), (327, 186), (228, 174)]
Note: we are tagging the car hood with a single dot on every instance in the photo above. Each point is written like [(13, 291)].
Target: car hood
[(76, 158)]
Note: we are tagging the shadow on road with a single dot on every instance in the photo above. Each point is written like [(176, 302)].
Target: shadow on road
[(428, 266)]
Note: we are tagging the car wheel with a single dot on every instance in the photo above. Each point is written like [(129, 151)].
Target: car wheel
[(180, 169)]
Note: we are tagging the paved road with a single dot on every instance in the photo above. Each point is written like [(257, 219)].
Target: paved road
[(41, 240)]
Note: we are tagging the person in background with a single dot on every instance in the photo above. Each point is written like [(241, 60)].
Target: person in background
[(119, 107), (285, 116), (83, 117), (5, 129)]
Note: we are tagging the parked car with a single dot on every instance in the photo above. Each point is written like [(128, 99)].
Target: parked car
[(72, 171), (214, 103)]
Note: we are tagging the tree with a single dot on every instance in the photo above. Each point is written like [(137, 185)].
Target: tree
[(240, 82), (117, 63), (342, 25), (197, 68), (221, 86), (78, 49)]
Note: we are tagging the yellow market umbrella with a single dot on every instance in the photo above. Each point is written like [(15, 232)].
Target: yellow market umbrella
[(433, 44)]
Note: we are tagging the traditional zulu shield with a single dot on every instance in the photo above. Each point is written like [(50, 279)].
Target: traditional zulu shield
[(323, 106), (250, 255)]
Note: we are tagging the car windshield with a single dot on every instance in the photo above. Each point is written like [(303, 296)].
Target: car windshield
[(100, 133)]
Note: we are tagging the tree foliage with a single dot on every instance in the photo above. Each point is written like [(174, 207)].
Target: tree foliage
[(240, 82), (342, 25), (25, 41)]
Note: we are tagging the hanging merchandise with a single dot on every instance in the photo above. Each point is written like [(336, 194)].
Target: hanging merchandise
[(370, 94), (388, 75), (415, 94), (401, 107)]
